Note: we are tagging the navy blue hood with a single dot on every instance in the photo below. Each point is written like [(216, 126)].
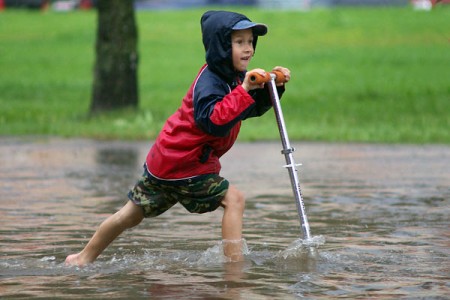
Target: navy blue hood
[(216, 33)]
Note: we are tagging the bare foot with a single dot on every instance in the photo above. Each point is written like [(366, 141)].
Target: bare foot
[(75, 260)]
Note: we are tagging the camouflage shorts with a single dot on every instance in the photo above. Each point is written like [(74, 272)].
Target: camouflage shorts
[(199, 194)]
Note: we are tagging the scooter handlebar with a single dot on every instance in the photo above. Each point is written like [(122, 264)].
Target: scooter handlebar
[(257, 78)]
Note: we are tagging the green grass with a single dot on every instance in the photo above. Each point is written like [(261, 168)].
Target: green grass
[(363, 75)]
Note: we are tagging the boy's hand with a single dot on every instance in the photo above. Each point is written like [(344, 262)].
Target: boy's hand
[(286, 72), (248, 85)]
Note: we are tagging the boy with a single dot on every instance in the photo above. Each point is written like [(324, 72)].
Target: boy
[(183, 163)]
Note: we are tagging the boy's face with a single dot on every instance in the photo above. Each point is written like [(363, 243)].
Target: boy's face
[(242, 48)]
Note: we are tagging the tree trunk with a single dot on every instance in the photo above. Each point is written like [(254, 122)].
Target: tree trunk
[(115, 72)]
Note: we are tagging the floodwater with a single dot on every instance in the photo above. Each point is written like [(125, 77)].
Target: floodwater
[(379, 218)]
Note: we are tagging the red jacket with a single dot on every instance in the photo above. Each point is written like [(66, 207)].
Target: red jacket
[(208, 121), (203, 128)]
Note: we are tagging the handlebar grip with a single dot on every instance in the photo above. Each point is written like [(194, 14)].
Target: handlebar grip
[(279, 77), (257, 78)]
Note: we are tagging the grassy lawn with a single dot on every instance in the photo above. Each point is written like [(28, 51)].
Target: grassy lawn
[(358, 74)]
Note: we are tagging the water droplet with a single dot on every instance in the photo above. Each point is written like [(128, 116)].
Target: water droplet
[(48, 258)]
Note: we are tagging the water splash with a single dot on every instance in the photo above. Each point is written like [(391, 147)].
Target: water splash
[(299, 247), (214, 255), (48, 258)]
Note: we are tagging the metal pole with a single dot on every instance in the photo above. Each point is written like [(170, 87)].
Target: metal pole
[(290, 164)]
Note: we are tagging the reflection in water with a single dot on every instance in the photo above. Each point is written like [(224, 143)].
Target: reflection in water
[(117, 157), (378, 215), (115, 169)]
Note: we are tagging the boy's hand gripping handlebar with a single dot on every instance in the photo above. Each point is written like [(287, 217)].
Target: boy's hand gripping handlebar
[(257, 78)]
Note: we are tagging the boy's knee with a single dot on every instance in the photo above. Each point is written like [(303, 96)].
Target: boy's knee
[(130, 215), (234, 199), (134, 220)]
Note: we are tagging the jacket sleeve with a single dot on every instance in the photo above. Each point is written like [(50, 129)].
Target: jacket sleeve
[(217, 109), (263, 101)]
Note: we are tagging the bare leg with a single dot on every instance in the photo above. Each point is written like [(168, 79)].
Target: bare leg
[(128, 216), (234, 204)]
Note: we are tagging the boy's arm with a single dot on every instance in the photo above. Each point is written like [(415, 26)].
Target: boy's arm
[(217, 110), (261, 93), (263, 101)]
